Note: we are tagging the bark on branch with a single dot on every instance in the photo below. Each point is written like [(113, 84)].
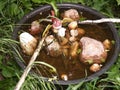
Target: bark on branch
[(33, 58), (103, 20), (28, 68)]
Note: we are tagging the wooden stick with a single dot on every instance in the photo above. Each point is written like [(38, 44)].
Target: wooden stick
[(103, 20), (29, 66), (33, 58)]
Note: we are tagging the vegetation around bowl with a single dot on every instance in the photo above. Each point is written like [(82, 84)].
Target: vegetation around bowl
[(11, 11)]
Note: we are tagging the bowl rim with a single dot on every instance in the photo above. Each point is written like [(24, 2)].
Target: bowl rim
[(88, 78)]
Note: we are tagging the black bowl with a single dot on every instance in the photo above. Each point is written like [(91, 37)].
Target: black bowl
[(87, 12)]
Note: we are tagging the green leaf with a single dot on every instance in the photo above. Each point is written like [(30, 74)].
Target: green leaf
[(22, 13), (8, 71), (7, 84), (12, 1), (27, 4), (1, 58), (99, 4), (2, 4), (14, 9), (53, 4), (118, 2), (39, 1), (36, 1)]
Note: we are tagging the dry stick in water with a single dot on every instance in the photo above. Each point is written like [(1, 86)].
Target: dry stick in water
[(33, 58), (114, 20), (28, 68)]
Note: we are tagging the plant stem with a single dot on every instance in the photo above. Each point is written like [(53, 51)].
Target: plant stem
[(103, 20)]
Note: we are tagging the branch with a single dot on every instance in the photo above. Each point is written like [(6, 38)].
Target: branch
[(28, 68), (103, 20), (33, 58)]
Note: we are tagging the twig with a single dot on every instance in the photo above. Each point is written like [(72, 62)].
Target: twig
[(28, 68), (103, 20), (33, 58)]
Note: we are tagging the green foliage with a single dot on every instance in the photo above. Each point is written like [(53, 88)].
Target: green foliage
[(40, 1), (9, 72), (12, 8), (118, 2), (8, 66), (8, 84), (75, 87), (36, 82), (2, 5), (113, 74), (11, 11)]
